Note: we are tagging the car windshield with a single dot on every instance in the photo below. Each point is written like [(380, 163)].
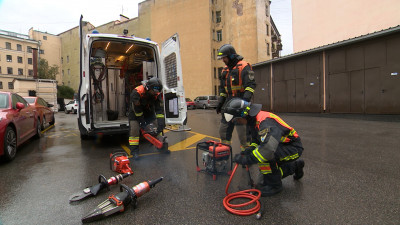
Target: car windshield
[(4, 101), (30, 100)]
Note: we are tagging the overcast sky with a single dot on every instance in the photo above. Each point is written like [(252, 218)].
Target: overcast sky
[(55, 16)]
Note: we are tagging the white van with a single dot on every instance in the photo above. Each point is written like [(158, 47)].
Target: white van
[(112, 66)]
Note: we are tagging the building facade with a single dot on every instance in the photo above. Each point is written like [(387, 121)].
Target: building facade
[(316, 23), (203, 27)]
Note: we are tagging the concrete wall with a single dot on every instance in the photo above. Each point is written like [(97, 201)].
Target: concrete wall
[(317, 23)]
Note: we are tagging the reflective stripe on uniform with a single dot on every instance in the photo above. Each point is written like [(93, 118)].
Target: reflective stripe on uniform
[(223, 94), (249, 89), (259, 157), (290, 157), (138, 114), (254, 145), (160, 116), (133, 140), (265, 168)]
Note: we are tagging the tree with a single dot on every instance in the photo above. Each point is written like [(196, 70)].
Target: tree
[(65, 92), (45, 71)]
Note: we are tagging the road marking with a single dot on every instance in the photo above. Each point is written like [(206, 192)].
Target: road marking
[(187, 142), (51, 126)]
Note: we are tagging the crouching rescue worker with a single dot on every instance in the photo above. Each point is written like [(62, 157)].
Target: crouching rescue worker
[(236, 80), (145, 108), (276, 146)]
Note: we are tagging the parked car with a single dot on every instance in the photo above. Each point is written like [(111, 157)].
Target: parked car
[(207, 101), (19, 121), (190, 104), (72, 106), (46, 114)]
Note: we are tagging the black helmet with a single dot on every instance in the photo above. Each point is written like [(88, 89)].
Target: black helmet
[(237, 107), (154, 84), (226, 50)]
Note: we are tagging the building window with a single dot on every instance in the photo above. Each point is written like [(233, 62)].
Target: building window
[(219, 35), (62, 60), (1, 85), (41, 51), (44, 37), (213, 35), (218, 16), (215, 73), (0, 69), (30, 72), (212, 16), (20, 71), (8, 45), (214, 53), (266, 10), (68, 72), (10, 85), (9, 70), (19, 59), (63, 73), (19, 47), (267, 27), (9, 58), (268, 49), (30, 61), (67, 58), (29, 49)]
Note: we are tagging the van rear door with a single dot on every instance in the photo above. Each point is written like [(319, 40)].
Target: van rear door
[(171, 75)]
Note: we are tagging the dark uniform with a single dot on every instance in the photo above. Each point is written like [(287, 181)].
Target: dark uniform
[(236, 80), (276, 147), (145, 107)]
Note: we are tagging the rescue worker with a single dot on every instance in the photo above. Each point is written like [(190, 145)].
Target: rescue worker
[(236, 80), (145, 108), (276, 146)]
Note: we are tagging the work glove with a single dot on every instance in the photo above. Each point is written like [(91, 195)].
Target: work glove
[(248, 150), (160, 125), (244, 159)]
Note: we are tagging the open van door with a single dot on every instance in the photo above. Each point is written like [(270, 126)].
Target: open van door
[(83, 94), (171, 76)]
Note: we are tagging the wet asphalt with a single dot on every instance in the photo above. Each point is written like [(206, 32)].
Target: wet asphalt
[(351, 176)]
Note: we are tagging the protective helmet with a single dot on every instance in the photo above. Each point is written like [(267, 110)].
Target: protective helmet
[(226, 50), (237, 107), (154, 84)]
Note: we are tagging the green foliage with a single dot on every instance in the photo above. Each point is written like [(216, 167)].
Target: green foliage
[(65, 92), (45, 71)]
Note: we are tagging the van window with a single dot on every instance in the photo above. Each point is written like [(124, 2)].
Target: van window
[(213, 97), (203, 98)]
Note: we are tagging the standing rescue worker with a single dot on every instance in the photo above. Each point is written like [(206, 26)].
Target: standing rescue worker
[(145, 107), (276, 146), (236, 80)]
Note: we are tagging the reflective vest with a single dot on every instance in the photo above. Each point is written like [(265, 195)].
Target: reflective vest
[(234, 85), (262, 115)]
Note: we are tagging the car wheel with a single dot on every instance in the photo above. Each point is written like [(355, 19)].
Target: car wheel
[(43, 125), (204, 107), (53, 121), (75, 111), (66, 111), (38, 129), (10, 144)]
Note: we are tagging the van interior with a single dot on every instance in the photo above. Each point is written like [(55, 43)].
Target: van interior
[(116, 68)]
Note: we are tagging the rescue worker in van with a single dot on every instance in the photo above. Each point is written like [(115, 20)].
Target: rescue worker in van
[(236, 80), (145, 108), (276, 146)]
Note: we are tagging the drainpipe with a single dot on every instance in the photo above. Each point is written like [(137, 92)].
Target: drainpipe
[(35, 62), (271, 96), (324, 80)]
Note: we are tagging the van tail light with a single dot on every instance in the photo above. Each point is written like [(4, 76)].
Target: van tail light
[(76, 104), (208, 101)]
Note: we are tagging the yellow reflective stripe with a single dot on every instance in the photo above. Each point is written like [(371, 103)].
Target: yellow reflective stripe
[(133, 140), (223, 94), (284, 139), (281, 171), (249, 89), (257, 154), (236, 88), (254, 145), (265, 168), (290, 157), (280, 120), (139, 114), (160, 116)]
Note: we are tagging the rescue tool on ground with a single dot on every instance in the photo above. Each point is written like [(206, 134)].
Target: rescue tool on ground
[(95, 189), (119, 162), (215, 157), (149, 132), (118, 203)]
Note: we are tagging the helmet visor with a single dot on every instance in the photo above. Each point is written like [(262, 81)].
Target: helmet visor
[(228, 117), (157, 89)]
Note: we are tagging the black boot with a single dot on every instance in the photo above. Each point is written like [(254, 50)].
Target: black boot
[(134, 151), (299, 173), (270, 184)]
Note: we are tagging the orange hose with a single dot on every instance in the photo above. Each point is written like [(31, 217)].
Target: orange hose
[(241, 194)]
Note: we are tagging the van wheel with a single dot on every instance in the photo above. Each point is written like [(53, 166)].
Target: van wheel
[(75, 111), (66, 111), (204, 107), (10, 144)]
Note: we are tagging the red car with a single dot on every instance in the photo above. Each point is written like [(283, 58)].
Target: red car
[(190, 104), (18, 122), (46, 114)]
